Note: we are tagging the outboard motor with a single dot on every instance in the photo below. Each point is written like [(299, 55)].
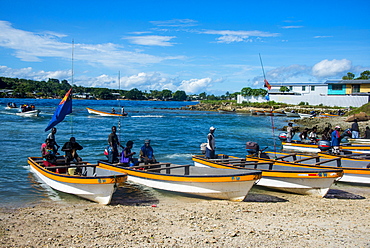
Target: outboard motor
[(324, 145), (282, 136), (203, 147), (252, 147), (347, 132)]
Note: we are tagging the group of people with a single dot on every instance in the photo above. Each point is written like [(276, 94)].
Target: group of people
[(26, 107), (122, 110), (49, 151), (126, 157)]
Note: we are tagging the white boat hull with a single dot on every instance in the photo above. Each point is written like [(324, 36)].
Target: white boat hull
[(289, 147), (102, 113), (101, 194), (235, 191), (32, 113), (305, 186), (290, 114)]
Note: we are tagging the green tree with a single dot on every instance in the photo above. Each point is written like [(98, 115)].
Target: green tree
[(365, 75), (284, 89), (247, 91), (166, 94), (350, 76), (179, 95), (203, 96)]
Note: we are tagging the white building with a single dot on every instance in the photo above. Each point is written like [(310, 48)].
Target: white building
[(341, 93)]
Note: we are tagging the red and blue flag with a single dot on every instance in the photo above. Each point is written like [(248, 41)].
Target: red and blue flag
[(64, 108)]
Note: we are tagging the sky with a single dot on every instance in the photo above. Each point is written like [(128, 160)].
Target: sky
[(196, 46)]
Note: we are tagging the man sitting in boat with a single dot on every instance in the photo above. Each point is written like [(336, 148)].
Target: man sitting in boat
[(113, 111), (126, 155), (304, 135), (313, 135), (70, 148), (147, 153)]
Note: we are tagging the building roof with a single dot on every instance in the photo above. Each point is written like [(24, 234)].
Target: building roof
[(340, 81)]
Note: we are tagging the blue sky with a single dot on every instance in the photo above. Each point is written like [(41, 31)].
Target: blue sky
[(196, 46)]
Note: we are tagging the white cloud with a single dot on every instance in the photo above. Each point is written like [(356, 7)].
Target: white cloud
[(194, 86), (175, 23), (290, 27), (151, 40), (229, 36), (32, 47), (327, 68), (318, 37), (28, 73)]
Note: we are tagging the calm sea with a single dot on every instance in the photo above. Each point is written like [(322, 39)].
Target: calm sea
[(176, 135)]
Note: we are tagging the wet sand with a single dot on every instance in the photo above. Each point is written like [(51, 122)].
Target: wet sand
[(159, 219)]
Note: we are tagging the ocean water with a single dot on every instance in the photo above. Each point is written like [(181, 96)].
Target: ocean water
[(175, 135)]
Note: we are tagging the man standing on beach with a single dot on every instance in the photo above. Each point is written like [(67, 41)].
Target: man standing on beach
[(355, 130), (113, 143), (211, 144)]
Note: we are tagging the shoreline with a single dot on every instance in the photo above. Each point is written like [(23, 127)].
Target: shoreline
[(265, 219)]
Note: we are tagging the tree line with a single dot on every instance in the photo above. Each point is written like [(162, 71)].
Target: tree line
[(53, 88)]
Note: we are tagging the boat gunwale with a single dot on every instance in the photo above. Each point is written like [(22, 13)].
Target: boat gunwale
[(75, 178), (352, 170), (106, 113), (275, 173), (257, 174)]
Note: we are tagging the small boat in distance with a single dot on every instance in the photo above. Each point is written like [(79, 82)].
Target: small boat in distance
[(292, 114), (95, 183), (206, 182), (30, 113), (11, 105), (102, 113)]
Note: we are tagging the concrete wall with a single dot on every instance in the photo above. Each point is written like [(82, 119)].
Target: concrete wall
[(327, 100)]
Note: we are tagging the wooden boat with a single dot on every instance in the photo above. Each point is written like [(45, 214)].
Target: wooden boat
[(31, 113), (260, 112), (298, 146), (292, 114), (223, 111), (303, 180), (95, 184), (102, 113), (253, 112), (268, 112), (356, 167), (359, 141), (278, 113), (205, 182), (305, 115)]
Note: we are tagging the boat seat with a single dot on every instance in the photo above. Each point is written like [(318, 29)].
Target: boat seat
[(294, 155), (339, 164), (149, 165), (168, 169), (305, 159)]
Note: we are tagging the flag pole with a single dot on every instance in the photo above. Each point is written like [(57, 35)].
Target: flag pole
[(72, 79), (266, 84), (263, 70)]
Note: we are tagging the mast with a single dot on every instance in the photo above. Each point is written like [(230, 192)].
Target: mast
[(73, 47)]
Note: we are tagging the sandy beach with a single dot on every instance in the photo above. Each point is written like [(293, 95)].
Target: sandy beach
[(264, 219)]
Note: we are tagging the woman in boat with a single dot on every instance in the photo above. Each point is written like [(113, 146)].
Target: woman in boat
[(126, 156), (48, 153)]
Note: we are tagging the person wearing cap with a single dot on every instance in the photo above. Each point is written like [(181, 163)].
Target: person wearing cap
[(147, 153), (335, 139), (211, 144), (289, 132)]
